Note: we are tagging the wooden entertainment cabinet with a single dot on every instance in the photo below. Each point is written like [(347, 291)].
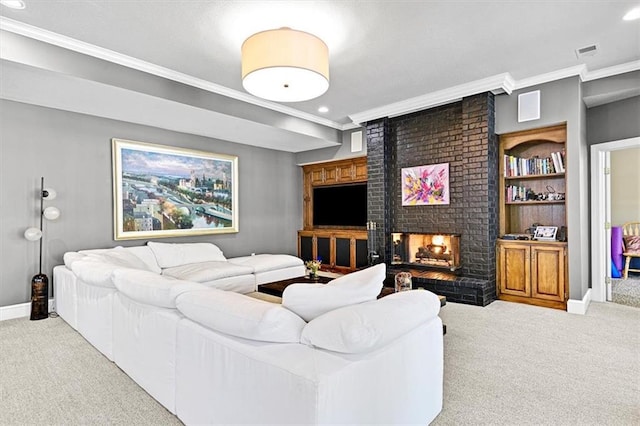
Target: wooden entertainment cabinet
[(341, 249)]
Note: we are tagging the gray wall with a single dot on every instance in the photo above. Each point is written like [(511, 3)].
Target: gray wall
[(73, 152), (614, 121), (335, 153), (560, 101)]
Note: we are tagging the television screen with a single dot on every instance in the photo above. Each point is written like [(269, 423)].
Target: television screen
[(344, 205)]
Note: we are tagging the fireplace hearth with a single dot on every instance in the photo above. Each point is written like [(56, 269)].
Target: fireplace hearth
[(426, 250)]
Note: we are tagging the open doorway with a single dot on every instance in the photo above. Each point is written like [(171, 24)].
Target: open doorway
[(602, 216)]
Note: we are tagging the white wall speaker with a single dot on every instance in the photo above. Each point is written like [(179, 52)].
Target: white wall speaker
[(356, 141), (529, 106)]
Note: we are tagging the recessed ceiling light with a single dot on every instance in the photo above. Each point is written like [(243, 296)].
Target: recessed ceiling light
[(632, 14), (13, 4), (323, 109)]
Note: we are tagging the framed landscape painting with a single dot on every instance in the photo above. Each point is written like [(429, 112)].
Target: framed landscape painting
[(425, 185), (161, 191)]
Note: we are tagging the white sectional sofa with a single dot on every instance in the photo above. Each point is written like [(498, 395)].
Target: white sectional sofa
[(212, 355)]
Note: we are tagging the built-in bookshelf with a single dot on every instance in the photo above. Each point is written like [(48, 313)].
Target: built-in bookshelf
[(532, 193), (532, 180)]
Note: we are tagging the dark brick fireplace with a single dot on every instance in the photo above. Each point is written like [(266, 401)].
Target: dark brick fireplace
[(461, 134)]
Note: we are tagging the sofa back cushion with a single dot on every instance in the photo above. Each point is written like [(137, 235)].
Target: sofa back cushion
[(151, 288), (241, 316), (312, 300), (70, 257), (121, 257), (368, 326), (147, 256), (94, 272), (169, 255)]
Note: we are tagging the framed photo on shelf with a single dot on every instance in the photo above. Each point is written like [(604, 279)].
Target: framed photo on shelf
[(545, 233)]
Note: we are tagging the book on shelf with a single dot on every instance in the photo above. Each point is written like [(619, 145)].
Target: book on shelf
[(516, 193), (517, 166)]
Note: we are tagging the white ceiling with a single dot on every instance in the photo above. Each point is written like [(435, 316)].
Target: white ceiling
[(381, 52)]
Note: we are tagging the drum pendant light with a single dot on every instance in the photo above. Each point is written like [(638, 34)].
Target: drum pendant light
[(285, 65)]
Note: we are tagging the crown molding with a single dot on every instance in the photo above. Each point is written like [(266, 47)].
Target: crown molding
[(501, 83), (69, 43), (578, 70), (611, 71)]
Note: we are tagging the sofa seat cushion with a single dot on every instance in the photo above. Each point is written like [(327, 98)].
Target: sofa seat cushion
[(312, 300), (241, 316), (206, 271), (371, 325), (267, 262), (151, 288), (169, 255)]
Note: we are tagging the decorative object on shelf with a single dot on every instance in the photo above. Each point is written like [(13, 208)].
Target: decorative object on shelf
[(425, 185), (162, 191), (545, 233), (40, 281), (403, 281), (313, 266), (285, 65)]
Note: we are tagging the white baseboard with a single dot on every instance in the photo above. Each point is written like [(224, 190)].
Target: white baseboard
[(579, 306), (21, 310)]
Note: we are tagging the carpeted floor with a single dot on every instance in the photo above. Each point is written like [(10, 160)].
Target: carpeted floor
[(514, 364), (505, 364), (626, 292)]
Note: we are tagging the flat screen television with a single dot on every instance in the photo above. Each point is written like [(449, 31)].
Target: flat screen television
[(340, 205)]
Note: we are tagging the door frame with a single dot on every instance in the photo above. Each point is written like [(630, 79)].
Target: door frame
[(600, 199)]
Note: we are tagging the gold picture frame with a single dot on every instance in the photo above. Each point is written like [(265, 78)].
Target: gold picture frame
[(161, 191)]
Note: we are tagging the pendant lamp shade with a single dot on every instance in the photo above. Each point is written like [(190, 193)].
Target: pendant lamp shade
[(285, 65)]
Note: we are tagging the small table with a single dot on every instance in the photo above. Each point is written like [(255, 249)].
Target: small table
[(276, 288)]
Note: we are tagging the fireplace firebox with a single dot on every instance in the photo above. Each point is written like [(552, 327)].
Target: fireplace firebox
[(427, 250)]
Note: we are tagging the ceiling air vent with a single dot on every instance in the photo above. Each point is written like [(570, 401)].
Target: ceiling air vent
[(587, 51)]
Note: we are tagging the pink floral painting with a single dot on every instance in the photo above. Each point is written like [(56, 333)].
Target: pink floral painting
[(425, 185)]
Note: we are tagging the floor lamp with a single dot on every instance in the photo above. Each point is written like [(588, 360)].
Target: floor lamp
[(40, 281)]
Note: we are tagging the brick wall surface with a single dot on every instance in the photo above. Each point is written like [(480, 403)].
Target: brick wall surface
[(461, 134)]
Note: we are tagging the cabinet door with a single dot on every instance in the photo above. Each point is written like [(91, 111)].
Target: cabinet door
[(345, 172), (548, 273), (305, 250), (317, 176), (362, 253), (343, 252), (330, 174), (514, 270), (361, 171), (323, 250)]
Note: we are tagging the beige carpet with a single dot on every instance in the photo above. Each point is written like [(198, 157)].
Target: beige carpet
[(514, 364), (626, 292), (505, 364), (49, 375)]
